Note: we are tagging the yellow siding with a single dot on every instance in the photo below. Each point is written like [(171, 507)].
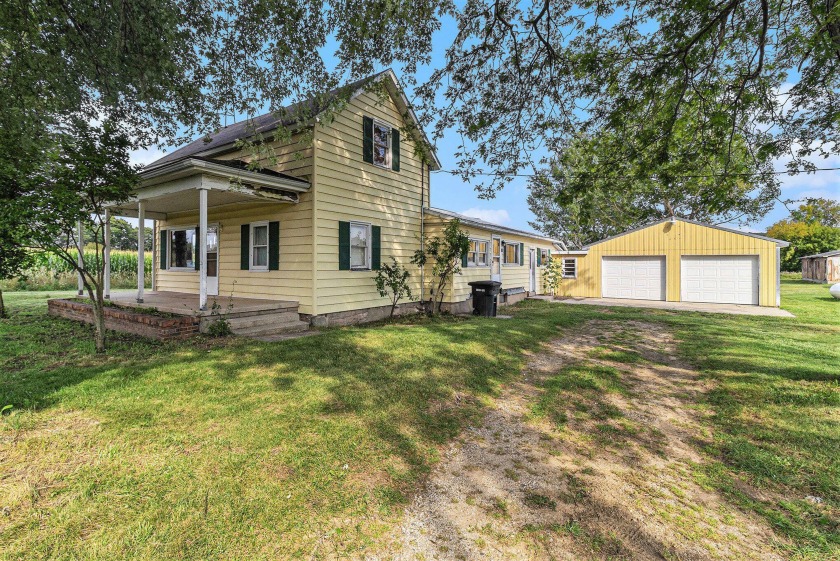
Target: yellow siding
[(513, 276), (346, 188), (673, 241), (293, 280)]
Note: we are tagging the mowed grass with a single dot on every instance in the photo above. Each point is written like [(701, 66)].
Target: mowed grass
[(232, 449)]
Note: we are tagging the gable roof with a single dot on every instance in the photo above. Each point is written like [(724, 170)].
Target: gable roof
[(780, 243), (478, 223), (225, 137), (831, 253)]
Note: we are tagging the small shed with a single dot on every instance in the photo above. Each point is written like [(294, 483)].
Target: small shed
[(822, 267)]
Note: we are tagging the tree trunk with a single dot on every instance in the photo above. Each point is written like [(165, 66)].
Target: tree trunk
[(393, 307), (99, 320), (2, 306)]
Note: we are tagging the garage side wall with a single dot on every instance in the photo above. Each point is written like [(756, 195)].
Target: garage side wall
[(673, 241)]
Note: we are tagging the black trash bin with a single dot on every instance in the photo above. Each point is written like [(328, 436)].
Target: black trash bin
[(485, 295)]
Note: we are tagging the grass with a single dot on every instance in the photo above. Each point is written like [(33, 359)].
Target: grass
[(233, 449)]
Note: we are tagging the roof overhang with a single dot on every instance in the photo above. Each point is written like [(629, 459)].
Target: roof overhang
[(490, 227), (172, 188)]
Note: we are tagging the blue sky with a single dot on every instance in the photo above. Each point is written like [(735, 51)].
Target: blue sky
[(510, 206)]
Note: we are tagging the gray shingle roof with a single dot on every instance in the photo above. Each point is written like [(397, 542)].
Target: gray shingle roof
[(831, 253), (258, 125)]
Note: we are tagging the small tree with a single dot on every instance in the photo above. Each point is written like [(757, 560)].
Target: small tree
[(393, 280), (445, 252), (89, 169), (552, 275)]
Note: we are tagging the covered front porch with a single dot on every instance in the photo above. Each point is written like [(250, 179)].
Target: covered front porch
[(180, 303), (192, 186)]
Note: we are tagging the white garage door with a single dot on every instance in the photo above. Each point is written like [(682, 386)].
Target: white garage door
[(639, 278), (725, 279)]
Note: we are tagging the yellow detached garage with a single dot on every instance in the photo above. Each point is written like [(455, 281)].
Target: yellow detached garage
[(677, 260)]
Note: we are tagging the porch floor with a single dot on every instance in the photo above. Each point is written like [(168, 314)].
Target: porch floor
[(187, 304)]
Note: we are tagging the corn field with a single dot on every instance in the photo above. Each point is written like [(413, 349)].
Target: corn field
[(50, 272)]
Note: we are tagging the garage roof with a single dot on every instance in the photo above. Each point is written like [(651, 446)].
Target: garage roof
[(780, 243)]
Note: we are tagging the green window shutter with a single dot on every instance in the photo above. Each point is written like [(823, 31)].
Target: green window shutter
[(245, 247), (273, 246), (376, 248), (163, 248), (367, 139), (197, 249), (395, 149), (463, 260), (521, 254), (343, 246), (539, 257)]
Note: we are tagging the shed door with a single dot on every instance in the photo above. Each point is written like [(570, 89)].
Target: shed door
[(723, 279), (638, 278)]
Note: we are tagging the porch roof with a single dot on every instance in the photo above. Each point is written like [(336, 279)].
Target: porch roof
[(164, 189)]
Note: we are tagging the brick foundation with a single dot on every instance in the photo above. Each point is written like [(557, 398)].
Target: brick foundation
[(126, 320)]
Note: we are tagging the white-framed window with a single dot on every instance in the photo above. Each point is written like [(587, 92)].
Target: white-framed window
[(569, 268), (381, 144), (545, 256), (259, 246), (477, 256), (511, 255), (360, 245), (182, 248)]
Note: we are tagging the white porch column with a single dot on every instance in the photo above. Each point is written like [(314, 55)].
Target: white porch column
[(141, 249), (107, 256), (155, 258), (80, 256), (202, 249)]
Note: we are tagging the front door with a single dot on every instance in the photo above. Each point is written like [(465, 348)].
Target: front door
[(213, 260), (496, 265), (533, 269)]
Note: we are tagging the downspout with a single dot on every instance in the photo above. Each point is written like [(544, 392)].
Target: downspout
[(422, 220)]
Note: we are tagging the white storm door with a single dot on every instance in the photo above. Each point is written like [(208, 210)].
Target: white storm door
[(637, 278), (496, 260), (722, 279)]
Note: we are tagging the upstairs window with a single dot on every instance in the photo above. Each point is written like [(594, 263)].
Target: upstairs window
[(381, 144), (570, 268)]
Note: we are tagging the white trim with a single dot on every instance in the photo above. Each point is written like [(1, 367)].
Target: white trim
[(487, 254), (504, 253), (388, 147), (192, 165), (563, 267), (258, 268), (169, 260), (368, 247), (202, 249), (141, 249)]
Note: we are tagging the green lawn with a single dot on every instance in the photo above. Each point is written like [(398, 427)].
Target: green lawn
[(232, 449)]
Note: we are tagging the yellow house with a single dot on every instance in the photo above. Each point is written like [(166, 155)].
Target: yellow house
[(302, 234), (677, 260)]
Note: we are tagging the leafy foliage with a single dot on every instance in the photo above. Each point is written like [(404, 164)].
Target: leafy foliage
[(818, 210), (602, 185), (525, 76), (552, 275), (444, 252), (392, 279), (805, 239)]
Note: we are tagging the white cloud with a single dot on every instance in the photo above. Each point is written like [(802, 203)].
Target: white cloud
[(499, 216), (145, 157)]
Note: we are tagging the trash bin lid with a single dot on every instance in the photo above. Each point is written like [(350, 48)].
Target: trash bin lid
[(485, 284)]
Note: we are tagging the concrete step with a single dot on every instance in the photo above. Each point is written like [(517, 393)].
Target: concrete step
[(244, 322), (261, 330), (292, 307)]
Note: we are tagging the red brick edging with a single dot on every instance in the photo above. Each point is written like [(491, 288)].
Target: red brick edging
[(128, 321)]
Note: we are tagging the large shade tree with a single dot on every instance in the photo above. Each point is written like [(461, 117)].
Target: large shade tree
[(522, 77)]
